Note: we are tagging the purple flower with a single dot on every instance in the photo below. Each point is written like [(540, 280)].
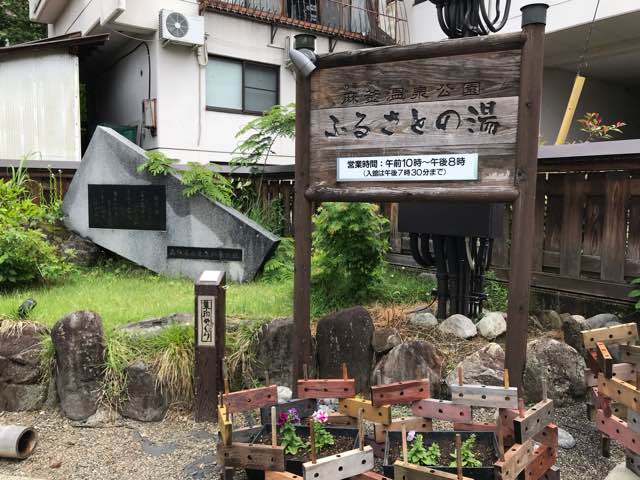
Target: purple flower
[(293, 416), (411, 435), (320, 416), (283, 418)]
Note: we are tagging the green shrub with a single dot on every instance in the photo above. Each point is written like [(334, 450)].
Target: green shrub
[(199, 178), (418, 455), (635, 293), (25, 255), (158, 164), (350, 243), (466, 453), (280, 266), (497, 293)]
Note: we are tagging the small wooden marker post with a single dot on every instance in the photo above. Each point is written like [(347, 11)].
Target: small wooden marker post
[(312, 442), (274, 429), (209, 343), (345, 372), (459, 455), (460, 376), (361, 429), (405, 452)]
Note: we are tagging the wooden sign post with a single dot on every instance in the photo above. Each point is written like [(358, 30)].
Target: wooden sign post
[(452, 120), (210, 327)]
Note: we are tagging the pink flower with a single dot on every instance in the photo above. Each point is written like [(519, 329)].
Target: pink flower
[(411, 435), (321, 416)]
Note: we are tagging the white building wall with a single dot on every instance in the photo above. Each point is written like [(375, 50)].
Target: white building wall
[(186, 130), (423, 23), (119, 90), (40, 107)]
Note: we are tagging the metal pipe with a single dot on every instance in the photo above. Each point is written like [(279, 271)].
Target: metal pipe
[(16, 441)]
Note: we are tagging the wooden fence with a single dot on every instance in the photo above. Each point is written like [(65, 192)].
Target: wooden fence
[(587, 221), (586, 224)]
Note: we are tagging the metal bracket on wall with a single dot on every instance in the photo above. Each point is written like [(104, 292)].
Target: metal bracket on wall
[(274, 30)]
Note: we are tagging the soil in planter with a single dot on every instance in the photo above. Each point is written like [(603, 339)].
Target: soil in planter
[(482, 451), (342, 444)]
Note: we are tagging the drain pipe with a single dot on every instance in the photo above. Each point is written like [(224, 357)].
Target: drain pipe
[(17, 442)]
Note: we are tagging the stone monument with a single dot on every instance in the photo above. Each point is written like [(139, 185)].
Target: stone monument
[(148, 220)]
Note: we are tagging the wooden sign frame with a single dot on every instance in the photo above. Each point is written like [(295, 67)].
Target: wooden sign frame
[(316, 181)]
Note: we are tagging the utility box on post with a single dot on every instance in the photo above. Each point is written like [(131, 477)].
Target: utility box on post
[(457, 219), (210, 325)]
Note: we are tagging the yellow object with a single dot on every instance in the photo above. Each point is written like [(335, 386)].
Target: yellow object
[(571, 109)]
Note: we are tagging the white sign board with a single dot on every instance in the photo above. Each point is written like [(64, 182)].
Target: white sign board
[(408, 168), (206, 321)]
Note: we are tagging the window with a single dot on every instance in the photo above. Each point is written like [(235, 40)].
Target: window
[(241, 86)]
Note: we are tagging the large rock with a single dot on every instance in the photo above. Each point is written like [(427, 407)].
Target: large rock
[(411, 360), (422, 318), (80, 348), (571, 329), (561, 366), (483, 367), (492, 325), (601, 320), (273, 352), (550, 319), (154, 326), (20, 371), (459, 326), (146, 400), (345, 337), (148, 220), (384, 339)]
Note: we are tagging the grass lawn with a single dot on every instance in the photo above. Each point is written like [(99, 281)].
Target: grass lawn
[(121, 294)]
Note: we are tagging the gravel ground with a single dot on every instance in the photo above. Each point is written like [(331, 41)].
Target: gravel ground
[(179, 448)]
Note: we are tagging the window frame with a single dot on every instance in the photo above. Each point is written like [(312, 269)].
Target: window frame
[(244, 63)]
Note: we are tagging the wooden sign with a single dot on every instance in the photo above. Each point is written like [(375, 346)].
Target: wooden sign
[(622, 371), (343, 465), (409, 471), (424, 121), (618, 430), (352, 406), (245, 400), (630, 353), (616, 334), (515, 461), (416, 424), (450, 120), (619, 391), (210, 325), (442, 410), (247, 455), (400, 392), (534, 421), (604, 359), (322, 388), (484, 396)]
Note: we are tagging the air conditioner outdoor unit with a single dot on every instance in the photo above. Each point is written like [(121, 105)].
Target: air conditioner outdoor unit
[(181, 29)]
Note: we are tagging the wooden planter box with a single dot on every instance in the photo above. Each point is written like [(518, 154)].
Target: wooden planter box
[(487, 439), (294, 465)]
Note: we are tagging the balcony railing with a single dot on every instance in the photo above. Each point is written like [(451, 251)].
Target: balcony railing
[(376, 22)]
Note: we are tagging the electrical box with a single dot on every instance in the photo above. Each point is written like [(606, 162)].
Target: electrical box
[(457, 219)]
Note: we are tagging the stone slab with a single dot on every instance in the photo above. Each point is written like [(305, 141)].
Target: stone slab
[(198, 234)]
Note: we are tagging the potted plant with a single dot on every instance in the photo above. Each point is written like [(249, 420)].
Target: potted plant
[(437, 449), (294, 437)]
